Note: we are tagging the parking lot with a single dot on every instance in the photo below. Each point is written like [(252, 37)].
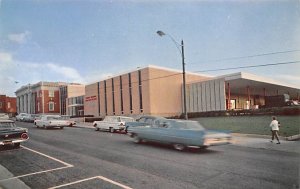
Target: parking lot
[(84, 158)]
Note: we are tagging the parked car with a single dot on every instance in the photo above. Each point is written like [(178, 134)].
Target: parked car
[(112, 123), (30, 118), (143, 121), (68, 118), (180, 134), (21, 116), (37, 119), (4, 116), (10, 134), (50, 121)]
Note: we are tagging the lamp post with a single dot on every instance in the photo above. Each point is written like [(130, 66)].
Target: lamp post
[(181, 51)]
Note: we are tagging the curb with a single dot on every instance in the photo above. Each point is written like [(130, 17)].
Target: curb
[(292, 138)]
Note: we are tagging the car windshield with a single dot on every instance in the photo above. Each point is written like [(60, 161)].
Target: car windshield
[(54, 118), (127, 119), (187, 125), (7, 125), (65, 117)]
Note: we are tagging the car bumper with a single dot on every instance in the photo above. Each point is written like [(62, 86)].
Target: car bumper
[(217, 141), (12, 141)]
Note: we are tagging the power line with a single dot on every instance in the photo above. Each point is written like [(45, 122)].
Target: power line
[(251, 56), (261, 65)]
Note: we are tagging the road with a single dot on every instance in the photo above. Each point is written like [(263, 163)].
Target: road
[(83, 158)]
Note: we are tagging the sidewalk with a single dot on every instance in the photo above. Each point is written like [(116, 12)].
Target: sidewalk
[(263, 142), (14, 183), (246, 140)]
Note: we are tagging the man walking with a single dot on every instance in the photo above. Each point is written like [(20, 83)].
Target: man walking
[(274, 128)]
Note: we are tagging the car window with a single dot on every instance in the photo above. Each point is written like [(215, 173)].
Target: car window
[(149, 121), (142, 120), (127, 119), (187, 125), (7, 125), (53, 118), (163, 124)]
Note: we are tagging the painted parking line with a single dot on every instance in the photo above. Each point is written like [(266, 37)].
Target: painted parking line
[(96, 177), (47, 156), (66, 165)]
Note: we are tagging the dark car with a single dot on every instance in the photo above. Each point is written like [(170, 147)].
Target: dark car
[(10, 134)]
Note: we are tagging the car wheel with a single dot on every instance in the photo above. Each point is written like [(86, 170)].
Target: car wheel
[(203, 147), (179, 147), (136, 139), (61, 127), (44, 127), (17, 145), (112, 130), (37, 126), (97, 129), (71, 125)]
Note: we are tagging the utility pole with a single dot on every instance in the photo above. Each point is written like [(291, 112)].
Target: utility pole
[(183, 78)]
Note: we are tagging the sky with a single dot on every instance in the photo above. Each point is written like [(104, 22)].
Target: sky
[(85, 41)]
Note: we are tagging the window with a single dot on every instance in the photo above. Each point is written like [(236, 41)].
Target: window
[(105, 97), (140, 91), (8, 105), (51, 106), (130, 92), (121, 91), (51, 93), (113, 95)]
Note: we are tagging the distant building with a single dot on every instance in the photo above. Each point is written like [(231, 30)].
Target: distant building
[(235, 91), (8, 105), (155, 90), (75, 106), (43, 97), (150, 90)]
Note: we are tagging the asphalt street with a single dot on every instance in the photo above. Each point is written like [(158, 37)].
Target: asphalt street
[(84, 158)]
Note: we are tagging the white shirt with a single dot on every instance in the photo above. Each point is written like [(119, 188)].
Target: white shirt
[(274, 125)]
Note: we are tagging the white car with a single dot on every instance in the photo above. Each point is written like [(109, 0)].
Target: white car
[(22, 116), (48, 121), (68, 118), (4, 116), (112, 123)]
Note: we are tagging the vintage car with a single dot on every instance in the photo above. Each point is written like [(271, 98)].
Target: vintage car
[(143, 121), (112, 123), (22, 116), (50, 121), (10, 134), (4, 116), (180, 134), (30, 118), (68, 118)]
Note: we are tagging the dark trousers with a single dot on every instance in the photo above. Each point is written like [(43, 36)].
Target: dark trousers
[(275, 133)]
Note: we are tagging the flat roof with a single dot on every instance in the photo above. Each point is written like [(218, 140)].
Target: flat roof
[(149, 66), (240, 82)]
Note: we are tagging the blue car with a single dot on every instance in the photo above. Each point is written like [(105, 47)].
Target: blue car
[(180, 134)]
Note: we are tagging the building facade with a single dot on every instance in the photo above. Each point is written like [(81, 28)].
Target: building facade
[(151, 90), (75, 106), (237, 91), (8, 105), (71, 96), (42, 97)]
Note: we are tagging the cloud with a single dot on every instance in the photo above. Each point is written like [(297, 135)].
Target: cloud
[(5, 57), (19, 37), (67, 72)]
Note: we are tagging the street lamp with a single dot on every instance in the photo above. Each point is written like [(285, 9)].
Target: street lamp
[(161, 34)]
